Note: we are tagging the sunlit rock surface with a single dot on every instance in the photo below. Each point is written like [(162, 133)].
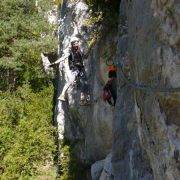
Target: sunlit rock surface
[(89, 127), (153, 50), (143, 133)]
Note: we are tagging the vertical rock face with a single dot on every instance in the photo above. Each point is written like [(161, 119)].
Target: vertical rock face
[(150, 46), (143, 134), (88, 127)]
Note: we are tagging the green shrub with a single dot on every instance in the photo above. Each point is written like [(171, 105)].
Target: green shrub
[(105, 13), (26, 133), (71, 167), (21, 29)]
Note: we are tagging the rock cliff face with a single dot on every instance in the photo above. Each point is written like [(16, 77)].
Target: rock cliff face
[(142, 136), (150, 46), (89, 126)]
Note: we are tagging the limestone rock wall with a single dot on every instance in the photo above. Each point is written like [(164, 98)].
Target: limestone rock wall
[(141, 138), (88, 128), (150, 47)]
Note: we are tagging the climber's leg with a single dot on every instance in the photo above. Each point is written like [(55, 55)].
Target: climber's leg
[(71, 82), (85, 92), (62, 96), (113, 89), (82, 98), (109, 101), (84, 88), (114, 94)]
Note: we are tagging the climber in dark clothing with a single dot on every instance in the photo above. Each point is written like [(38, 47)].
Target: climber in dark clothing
[(75, 61), (77, 75), (110, 88)]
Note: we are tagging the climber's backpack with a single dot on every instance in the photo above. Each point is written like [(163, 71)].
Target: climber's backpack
[(106, 94)]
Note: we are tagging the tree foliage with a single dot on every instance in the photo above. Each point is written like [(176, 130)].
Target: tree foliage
[(22, 25), (26, 134), (26, 131)]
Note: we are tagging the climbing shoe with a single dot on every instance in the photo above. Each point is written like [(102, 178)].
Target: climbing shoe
[(62, 98), (85, 102), (88, 103), (82, 102)]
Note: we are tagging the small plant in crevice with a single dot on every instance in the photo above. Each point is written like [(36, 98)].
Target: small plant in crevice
[(109, 9), (70, 166), (103, 18)]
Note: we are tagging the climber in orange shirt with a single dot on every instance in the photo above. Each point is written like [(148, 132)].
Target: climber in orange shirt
[(110, 88)]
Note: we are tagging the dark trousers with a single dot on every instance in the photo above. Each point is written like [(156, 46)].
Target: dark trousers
[(82, 80)]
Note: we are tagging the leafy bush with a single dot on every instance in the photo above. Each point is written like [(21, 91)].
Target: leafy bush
[(104, 13), (71, 167), (22, 25), (26, 134)]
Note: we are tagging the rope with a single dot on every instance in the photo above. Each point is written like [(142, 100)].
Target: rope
[(145, 87)]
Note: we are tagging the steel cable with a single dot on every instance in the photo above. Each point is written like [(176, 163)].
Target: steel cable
[(145, 87)]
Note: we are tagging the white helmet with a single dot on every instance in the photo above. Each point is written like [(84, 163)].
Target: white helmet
[(73, 39)]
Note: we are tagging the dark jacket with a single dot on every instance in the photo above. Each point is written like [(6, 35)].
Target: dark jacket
[(112, 86), (75, 60)]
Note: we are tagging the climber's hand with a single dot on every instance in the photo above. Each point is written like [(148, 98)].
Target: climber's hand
[(79, 64), (52, 65)]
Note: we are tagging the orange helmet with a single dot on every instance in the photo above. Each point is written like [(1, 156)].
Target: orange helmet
[(112, 68)]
